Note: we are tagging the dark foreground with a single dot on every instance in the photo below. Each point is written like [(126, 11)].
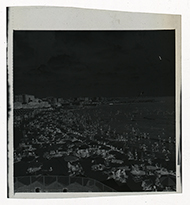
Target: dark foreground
[(128, 147)]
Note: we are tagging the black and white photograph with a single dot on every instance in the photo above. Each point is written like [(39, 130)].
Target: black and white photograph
[(93, 106), (94, 111)]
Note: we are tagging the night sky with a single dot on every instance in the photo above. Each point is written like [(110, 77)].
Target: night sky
[(94, 63)]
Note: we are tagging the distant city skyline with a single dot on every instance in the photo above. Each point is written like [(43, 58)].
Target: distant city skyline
[(72, 64)]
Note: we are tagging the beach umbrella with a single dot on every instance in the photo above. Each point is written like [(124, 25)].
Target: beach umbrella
[(168, 181), (111, 183), (70, 158)]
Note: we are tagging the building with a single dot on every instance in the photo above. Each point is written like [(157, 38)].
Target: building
[(60, 100), (24, 98), (18, 98), (28, 98), (52, 100)]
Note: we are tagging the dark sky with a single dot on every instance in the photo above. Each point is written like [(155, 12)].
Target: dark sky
[(94, 63)]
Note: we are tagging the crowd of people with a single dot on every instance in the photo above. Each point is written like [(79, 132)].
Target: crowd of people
[(104, 136)]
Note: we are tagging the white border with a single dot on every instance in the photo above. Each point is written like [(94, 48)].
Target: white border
[(60, 18), (156, 6)]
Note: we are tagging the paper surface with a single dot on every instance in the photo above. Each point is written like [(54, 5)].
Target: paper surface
[(55, 18)]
